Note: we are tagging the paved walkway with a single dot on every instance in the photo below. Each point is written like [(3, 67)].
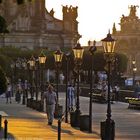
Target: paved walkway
[(27, 124)]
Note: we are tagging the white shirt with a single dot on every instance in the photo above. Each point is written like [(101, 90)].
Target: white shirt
[(9, 88), (50, 97)]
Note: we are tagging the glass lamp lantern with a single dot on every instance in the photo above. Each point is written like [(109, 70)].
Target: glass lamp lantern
[(12, 65), (78, 52), (108, 44), (32, 62), (133, 62), (42, 58), (134, 69), (58, 55)]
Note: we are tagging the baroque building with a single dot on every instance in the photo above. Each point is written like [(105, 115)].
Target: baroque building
[(128, 38), (30, 25)]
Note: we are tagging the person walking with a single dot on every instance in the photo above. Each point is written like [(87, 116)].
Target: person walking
[(51, 100), (116, 90), (137, 90), (71, 97), (18, 92), (8, 93)]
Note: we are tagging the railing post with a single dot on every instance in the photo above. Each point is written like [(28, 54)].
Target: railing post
[(59, 129), (5, 128)]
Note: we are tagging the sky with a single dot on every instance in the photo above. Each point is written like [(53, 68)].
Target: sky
[(95, 17)]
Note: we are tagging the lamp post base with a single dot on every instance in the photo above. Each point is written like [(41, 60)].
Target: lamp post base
[(23, 100), (108, 130), (75, 118), (58, 111)]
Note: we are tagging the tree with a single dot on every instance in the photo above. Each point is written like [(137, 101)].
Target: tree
[(3, 81), (3, 25), (98, 61)]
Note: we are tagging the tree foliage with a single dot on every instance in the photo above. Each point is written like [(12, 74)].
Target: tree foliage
[(99, 61), (3, 81), (3, 25)]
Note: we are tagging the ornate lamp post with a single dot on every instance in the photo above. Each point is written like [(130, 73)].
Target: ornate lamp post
[(92, 49), (66, 103), (24, 65), (134, 75), (13, 76), (32, 65), (134, 69), (58, 55), (42, 60), (78, 55), (108, 126), (17, 68)]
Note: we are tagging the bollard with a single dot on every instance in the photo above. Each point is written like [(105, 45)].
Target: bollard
[(0, 122), (59, 129), (5, 129)]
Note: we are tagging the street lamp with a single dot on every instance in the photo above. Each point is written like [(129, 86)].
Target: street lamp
[(24, 65), (92, 49), (42, 60), (134, 69), (108, 126), (13, 76), (78, 55), (134, 74), (32, 65), (58, 55), (67, 55)]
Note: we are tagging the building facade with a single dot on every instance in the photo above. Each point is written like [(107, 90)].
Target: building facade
[(30, 25), (128, 38)]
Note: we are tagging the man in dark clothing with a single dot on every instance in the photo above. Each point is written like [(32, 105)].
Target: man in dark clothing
[(137, 90)]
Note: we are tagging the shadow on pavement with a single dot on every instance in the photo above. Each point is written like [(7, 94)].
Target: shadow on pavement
[(62, 130)]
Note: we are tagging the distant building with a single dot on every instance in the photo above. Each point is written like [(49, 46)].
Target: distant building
[(31, 25), (128, 38)]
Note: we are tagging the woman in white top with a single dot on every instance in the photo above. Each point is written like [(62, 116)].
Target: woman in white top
[(8, 93)]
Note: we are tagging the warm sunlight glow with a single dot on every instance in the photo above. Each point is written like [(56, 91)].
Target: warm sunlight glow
[(95, 17)]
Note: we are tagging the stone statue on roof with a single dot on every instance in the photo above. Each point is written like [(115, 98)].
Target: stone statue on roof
[(133, 10), (52, 12)]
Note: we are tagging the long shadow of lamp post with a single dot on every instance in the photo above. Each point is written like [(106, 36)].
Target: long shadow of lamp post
[(78, 55), (92, 50), (58, 55), (108, 126), (67, 56)]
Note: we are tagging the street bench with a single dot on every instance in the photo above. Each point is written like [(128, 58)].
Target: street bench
[(133, 102)]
